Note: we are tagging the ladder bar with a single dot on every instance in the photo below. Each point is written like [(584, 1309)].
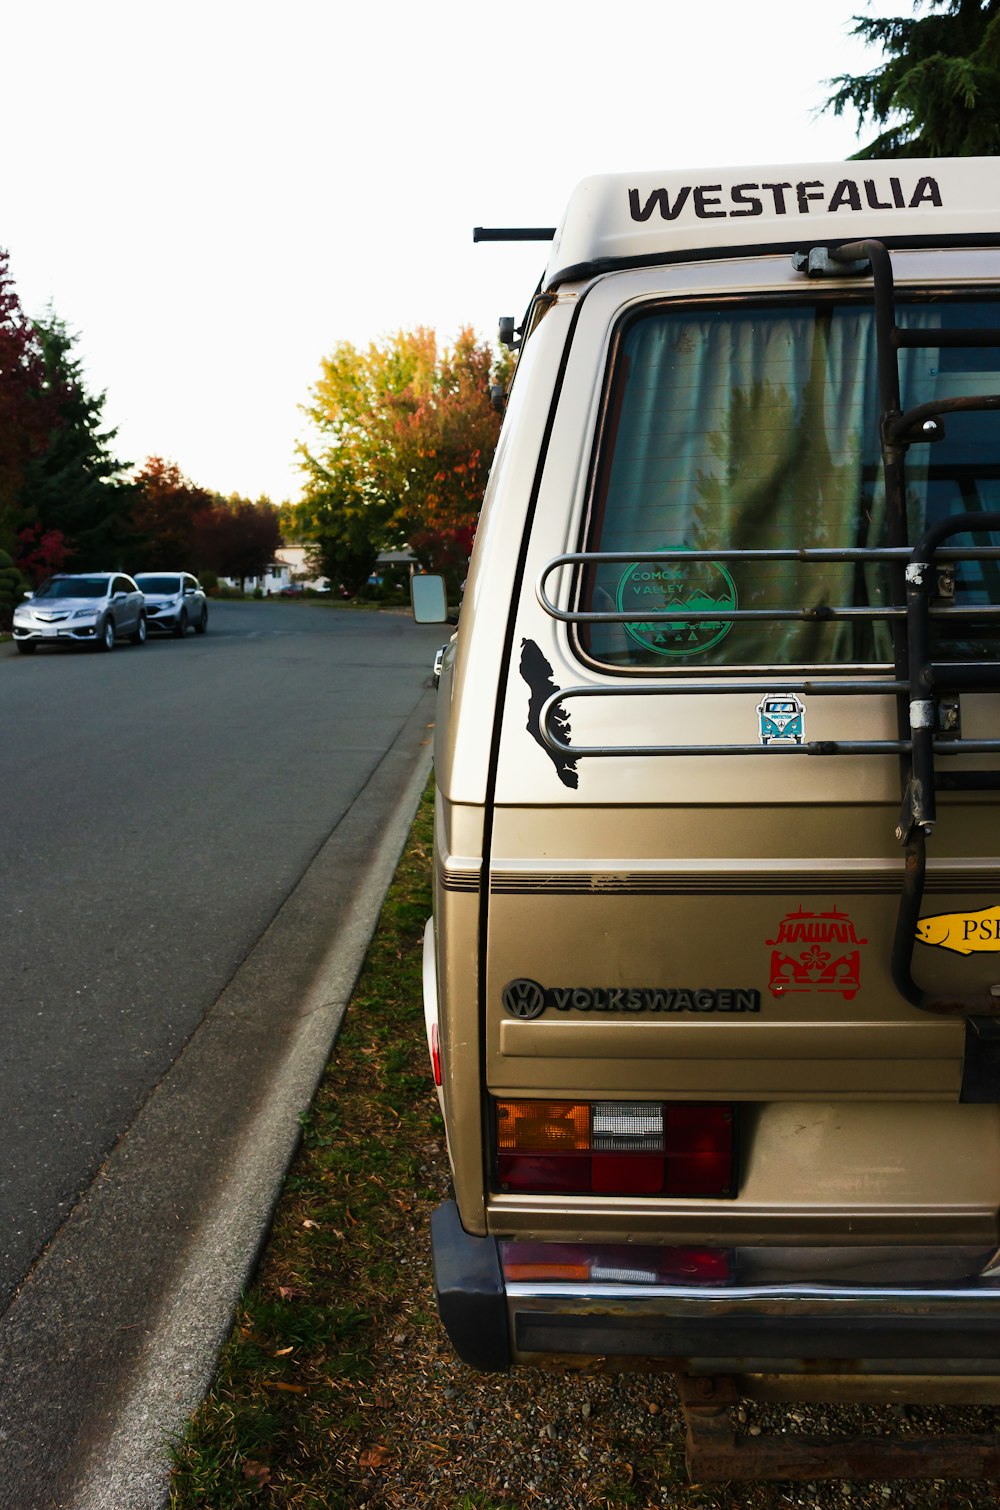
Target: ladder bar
[(832, 553), (821, 614), (949, 676), (967, 781), (953, 337)]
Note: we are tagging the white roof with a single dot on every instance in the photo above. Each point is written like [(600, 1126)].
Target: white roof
[(650, 215)]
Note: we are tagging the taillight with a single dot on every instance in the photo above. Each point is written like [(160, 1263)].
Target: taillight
[(435, 1047), (576, 1263), (684, 1148)]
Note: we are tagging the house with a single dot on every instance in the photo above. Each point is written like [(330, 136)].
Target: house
[(288, 567)]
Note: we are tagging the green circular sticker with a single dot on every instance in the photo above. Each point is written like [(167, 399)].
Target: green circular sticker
[(668, 586)]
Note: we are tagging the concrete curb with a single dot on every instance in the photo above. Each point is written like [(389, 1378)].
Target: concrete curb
[(113, 1339)]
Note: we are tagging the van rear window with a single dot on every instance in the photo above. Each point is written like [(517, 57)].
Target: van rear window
[(755, 427)]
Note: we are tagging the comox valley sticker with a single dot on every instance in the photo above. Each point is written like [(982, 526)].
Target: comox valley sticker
[(526, 999), (699, 586), (827, 963)]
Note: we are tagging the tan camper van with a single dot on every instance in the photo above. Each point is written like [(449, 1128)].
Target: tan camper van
[(713, 978)]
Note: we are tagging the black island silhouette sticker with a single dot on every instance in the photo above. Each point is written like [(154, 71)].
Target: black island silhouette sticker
[(537, 672)]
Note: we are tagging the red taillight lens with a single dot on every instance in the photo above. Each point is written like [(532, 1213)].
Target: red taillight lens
[(435, 1053), (616, 1147), (699, 1144), (569, 1173), (626, 1173)]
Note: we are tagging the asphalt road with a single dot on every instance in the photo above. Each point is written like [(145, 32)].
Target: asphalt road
[(188, 832)]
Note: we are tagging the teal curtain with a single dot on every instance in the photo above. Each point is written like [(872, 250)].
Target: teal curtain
[(749, 428)]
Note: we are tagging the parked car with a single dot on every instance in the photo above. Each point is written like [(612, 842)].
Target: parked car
[(291, 590), (174, 600), (439, 656), (90, 608)]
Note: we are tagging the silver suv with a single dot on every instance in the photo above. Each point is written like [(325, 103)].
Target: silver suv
[(174, 600), (93, 608)]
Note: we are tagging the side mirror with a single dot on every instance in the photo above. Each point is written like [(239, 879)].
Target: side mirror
[(427, 595)]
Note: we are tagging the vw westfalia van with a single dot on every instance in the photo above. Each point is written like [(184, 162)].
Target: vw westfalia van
[(713, 977)]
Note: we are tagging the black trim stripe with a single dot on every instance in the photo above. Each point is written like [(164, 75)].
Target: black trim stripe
[(502, 682), (580, 271), (599, 883)]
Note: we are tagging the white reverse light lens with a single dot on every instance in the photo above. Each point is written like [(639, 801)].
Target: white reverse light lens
[(623, 1276), (627, 1127)]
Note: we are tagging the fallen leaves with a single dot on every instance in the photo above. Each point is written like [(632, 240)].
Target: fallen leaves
[(373, 1457)]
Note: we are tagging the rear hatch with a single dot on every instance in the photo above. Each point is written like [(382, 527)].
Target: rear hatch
[(743, 849)]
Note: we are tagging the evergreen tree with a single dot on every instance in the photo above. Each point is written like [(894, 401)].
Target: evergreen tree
[(74, 486), (938, 92), (25, 420)]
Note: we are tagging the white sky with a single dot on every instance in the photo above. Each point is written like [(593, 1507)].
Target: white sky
[(213, 193)]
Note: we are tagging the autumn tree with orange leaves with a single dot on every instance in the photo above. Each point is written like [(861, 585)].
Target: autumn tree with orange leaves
[(405, 434)]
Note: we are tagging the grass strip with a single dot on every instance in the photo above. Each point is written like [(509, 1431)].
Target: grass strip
[(289, 1408)]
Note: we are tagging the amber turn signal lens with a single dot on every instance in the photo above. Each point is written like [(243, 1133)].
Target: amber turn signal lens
[(543, 1126)]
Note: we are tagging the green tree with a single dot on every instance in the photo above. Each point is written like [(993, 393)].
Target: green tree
[(405, 437), (938, 92), (73, 489)]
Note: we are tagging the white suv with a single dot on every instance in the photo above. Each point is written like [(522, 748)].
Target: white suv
[(174, 601), (94, 608)]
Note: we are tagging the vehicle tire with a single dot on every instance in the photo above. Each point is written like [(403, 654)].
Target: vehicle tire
[(138, 635), (180, 628), (202, 623), (25, 647), (106, 634)]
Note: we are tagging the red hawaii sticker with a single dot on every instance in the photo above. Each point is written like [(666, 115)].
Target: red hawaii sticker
[(826, 963)]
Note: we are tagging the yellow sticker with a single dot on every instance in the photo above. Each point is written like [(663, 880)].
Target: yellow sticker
[(964, 932)]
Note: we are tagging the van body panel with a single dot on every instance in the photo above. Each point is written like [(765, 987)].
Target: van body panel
[(458, 843), (668, 880), (923, 1173), (462, 746)]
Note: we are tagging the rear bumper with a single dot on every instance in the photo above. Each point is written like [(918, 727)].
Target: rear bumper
[(923, 1312)]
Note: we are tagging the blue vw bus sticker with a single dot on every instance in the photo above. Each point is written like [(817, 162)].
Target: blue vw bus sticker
[(782, 719)]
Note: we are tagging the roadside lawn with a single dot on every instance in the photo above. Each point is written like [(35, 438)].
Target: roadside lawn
[(338, 1388)]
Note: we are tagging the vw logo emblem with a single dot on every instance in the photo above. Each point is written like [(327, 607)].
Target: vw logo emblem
[(524, 999)]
